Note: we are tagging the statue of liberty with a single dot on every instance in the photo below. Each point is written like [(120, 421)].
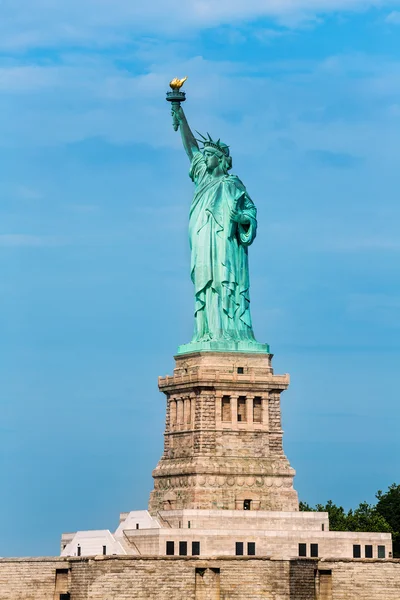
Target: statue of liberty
[(222, 225)]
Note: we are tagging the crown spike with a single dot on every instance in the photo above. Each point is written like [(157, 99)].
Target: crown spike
[(204, 138)]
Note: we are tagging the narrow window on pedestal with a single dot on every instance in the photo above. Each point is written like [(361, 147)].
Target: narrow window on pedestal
[(239, 548), (247, 505), (195, 548), (182, 548), (257, 410), (302, 549), (170, 548), (172, 412), (104, 550), (78, 550), (189, 411), (226, 409), (241, 409), (183, 411), (251, 549), (179, 411)]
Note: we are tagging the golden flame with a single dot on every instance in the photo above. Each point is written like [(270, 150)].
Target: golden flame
[(176, 84)]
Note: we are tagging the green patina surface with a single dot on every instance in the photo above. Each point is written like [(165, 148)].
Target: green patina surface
[(222, 226)]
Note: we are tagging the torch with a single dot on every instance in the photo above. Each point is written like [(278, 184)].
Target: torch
[(176, 97)]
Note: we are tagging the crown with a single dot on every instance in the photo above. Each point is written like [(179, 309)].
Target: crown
[(218, 145)]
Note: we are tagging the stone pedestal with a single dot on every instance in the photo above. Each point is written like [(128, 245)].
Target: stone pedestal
[(223, 437)]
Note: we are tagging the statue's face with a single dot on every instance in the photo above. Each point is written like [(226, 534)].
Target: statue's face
[(211, 159)]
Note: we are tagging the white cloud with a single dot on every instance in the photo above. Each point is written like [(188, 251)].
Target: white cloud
[(27, 78), (393, 17), (294, 100), (29, 23), (267, 36)]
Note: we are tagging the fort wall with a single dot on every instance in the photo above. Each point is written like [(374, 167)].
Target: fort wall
[(174, 578)]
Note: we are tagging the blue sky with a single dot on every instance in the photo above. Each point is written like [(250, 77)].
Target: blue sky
[(95, 289)]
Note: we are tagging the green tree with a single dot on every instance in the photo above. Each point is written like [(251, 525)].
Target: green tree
[(337, 516), (388, 506), (367, 518), (305, 507), (364, 518)]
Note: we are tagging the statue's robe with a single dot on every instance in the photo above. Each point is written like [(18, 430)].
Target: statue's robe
[(219, 258)]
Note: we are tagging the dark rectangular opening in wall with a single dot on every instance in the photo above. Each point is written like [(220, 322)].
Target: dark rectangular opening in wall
[(314, 550), (368, 551), (251, 548), (65, 596), (246, 504), (188, 524), (78, 551), (241, 409), (226, 409), (381, 552), (182, 548), (239, 549), (207, 585), (323, 526), (195, 548), (61, 583), (137, 525), (257, 410), (302, 549), (170, 548), (325, 585), (240, 370), (356, 551), (104, 550)]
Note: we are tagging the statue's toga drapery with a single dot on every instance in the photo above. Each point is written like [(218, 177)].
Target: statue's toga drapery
[(219, 260)]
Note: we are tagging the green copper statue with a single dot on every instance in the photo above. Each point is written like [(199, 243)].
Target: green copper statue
[(222, 225)]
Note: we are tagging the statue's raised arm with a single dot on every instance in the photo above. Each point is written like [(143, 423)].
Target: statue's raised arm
[(189, 141), (179, 121)]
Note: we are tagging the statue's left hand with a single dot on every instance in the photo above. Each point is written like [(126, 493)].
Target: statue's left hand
[(238, 217)]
